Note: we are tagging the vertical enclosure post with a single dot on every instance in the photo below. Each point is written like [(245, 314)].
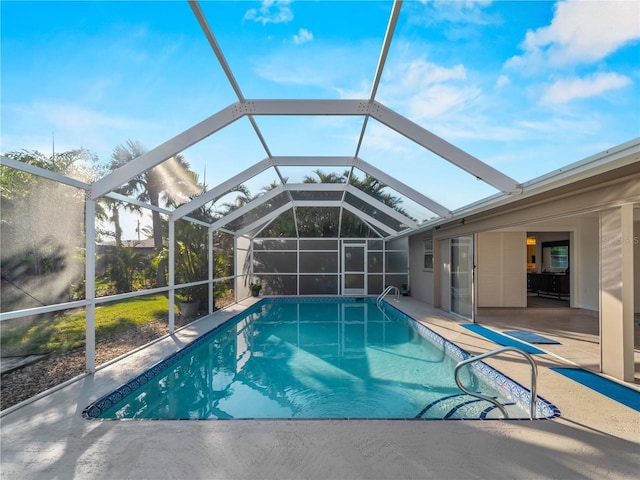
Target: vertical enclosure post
[(211, 283), (90, 284), (172, 275)]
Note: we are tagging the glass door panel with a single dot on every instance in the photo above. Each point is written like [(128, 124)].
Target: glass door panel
[(462, 276)]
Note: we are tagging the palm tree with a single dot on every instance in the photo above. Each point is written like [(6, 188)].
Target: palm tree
[(322, 221), (244, 196), (158, 182), (326, 177)]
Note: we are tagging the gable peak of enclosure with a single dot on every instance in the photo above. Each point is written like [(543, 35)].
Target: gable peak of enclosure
[(339, 196)]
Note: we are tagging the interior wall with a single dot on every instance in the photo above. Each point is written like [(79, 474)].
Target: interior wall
[(583, 231), (501, 274), (420, 278)]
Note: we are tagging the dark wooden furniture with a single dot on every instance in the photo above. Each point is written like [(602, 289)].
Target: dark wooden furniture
[(550, 284)]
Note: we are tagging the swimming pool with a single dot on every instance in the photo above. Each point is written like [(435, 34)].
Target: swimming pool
[(316, 358)]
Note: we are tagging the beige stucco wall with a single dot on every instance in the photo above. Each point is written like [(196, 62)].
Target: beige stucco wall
[(636, 269), (420, 279), (616, 292), (605, 275)]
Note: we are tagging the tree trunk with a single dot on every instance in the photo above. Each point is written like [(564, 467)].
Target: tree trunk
[(153, 187), (115, 218)]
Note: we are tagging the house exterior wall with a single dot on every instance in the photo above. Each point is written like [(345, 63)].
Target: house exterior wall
[(420, 279), (636, 261), (575, 213), (605, 273), (527, 213)]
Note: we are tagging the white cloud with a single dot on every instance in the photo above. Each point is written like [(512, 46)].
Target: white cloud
[(420, 73), (566, 90), (438, 100), (478, 128), (361, 90), (580, 32), (544, 127), (422, 89), (271, 11), (503, 81), (334, 68), (405, 78), (72, 125), (303, 36), (277, 71), (73, 117), (456, 13), (380, 138)]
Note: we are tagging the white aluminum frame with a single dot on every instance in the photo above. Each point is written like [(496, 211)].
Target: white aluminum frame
[(233, 112)]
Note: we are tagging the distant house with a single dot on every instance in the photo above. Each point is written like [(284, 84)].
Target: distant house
[(144, 246)]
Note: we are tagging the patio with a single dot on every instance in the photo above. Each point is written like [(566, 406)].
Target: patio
[(593, 438)]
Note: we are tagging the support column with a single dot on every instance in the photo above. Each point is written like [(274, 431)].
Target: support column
[(210, 285), (172, 276), (616, 292), (90, 284)]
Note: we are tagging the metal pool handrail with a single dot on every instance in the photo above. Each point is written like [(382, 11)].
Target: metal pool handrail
[(534, 378), (386, 291)]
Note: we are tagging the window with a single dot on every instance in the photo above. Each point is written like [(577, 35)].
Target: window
[(428, 253), (555, 256)]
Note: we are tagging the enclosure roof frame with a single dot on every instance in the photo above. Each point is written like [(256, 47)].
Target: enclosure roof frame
[(253, 108)]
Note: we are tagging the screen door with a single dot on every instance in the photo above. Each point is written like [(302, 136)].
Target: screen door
[(354, 272)]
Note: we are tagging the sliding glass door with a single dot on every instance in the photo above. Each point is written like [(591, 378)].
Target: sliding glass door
[(462, 276)]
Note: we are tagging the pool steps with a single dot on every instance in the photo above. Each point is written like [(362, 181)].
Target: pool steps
[(456, 407)]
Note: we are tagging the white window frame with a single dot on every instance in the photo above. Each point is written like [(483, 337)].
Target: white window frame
[(428, 254)]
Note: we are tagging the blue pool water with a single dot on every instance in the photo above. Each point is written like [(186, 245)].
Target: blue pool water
[(315, 358)]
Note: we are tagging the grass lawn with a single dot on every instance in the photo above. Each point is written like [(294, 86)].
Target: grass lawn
[(65, 331)]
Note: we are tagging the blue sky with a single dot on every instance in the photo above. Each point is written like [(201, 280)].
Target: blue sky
[(526, 87)]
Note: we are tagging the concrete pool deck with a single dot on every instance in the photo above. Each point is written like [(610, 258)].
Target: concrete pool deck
[(594, 437)]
